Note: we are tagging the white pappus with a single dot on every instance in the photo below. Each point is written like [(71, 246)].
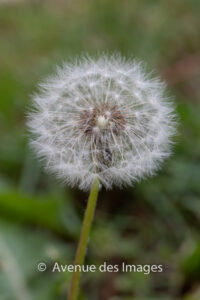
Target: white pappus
[(103, 118)]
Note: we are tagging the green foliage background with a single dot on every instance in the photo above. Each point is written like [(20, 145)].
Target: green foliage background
[(155, 222)]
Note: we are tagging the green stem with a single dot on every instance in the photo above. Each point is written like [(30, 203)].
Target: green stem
[(85, 231)]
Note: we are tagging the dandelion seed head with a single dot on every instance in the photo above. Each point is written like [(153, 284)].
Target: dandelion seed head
[(103, 118)]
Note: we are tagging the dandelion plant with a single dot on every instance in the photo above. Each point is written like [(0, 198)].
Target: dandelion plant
[(101, 122)]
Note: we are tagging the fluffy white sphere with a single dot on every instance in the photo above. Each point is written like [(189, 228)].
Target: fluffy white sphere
[(102, 118)]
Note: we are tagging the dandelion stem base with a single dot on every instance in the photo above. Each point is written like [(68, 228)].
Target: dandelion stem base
[(85, 231)]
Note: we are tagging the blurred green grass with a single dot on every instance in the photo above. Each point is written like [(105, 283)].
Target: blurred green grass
[(156, 221)]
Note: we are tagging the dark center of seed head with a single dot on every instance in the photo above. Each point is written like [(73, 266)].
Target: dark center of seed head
[(101, 118)]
